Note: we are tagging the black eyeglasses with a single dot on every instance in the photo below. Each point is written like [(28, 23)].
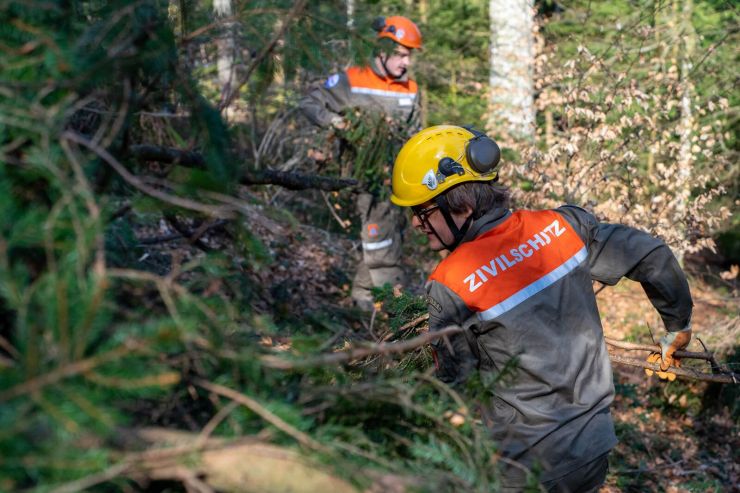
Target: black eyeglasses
[(423, 214)]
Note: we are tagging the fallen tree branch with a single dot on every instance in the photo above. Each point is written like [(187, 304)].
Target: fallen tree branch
[(679, 372), (214, 464), (73, 369), (87, 482), (706, 355), (631, 346), (361, 352), (285, 179), (411, 344), (262, 412), (409, 325), (136, 182)]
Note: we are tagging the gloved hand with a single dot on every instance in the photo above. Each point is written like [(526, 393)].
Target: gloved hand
[(669, 344), (663, 375), (672, 342), (339, 123)]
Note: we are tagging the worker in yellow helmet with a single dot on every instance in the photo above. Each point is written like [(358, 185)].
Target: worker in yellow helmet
[(519, 285)]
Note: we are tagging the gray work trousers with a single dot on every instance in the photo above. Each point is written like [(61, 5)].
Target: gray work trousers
[(382, 241), (586, 479)]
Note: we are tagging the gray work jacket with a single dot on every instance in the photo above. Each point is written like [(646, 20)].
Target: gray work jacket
[(366, 88), (521, 284)]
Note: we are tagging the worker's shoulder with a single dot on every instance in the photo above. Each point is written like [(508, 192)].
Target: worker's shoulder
[(335, 80), (365, 76), (362, 75), (577, 213)]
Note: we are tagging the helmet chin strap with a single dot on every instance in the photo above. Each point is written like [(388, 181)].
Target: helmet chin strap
[(457, 233), (383, 61)]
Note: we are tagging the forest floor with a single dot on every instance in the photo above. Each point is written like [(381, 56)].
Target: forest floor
[(674, 436)]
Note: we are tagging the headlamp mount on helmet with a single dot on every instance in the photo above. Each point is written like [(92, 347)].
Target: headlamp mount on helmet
[(378, 24)]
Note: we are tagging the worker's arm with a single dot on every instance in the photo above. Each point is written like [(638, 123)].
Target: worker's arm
[(454, 356), (324, 104), (415, 118), (617, 251)]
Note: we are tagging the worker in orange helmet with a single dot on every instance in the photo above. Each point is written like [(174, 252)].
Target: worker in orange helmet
[(383, 85)]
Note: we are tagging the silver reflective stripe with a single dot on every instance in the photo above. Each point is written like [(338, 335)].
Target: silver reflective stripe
[(534, 288), (377, 245), (381, 92)]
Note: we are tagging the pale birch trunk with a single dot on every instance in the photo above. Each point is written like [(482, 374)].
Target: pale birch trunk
[(511, 108), (687, 42), (686, 39), (225, 45), (350, 15)]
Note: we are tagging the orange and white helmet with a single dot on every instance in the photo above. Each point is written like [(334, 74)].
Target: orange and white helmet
[(400, 29)]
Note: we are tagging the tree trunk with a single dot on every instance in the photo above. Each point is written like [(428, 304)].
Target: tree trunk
[(686, 35), (511, 109), (685, 40), (225, 44)]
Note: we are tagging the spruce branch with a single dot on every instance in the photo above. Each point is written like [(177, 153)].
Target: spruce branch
[(285, 179), (361, 352), (262, 412), (136, 182), (73, 369), (411, 344)]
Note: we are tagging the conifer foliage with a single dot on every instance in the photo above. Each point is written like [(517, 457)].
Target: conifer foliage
[(105, 332)]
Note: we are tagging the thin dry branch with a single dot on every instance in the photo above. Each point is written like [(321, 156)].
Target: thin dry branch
[(361, 352), (411, 344), (409, 325), (87, 482), (631, 346), (289, 180), (679, 372), (70, 370), (135, 181), (261, 411)]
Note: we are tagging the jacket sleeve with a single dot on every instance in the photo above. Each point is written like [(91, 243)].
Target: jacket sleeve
[(617, 251), (415, 118), (455, 356), (324, 102)]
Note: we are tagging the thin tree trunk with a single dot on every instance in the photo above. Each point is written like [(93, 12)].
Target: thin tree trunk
[(350, 15), (511, 78), (685, 38), (225, 45), (686, 32)]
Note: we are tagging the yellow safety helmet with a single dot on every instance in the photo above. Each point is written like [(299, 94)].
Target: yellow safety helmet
[(439, 158)]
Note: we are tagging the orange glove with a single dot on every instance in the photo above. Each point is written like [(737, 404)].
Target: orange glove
[(663, 375), (669, 344)]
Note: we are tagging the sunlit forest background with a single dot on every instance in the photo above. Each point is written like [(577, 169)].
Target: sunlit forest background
[(175, 263)]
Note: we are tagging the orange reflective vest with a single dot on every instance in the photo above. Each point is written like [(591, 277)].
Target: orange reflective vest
[(363, 87), (511, 263)]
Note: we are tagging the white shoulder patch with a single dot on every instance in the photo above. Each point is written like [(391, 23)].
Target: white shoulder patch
[(400, 33), (430, 180), (331, 81)]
